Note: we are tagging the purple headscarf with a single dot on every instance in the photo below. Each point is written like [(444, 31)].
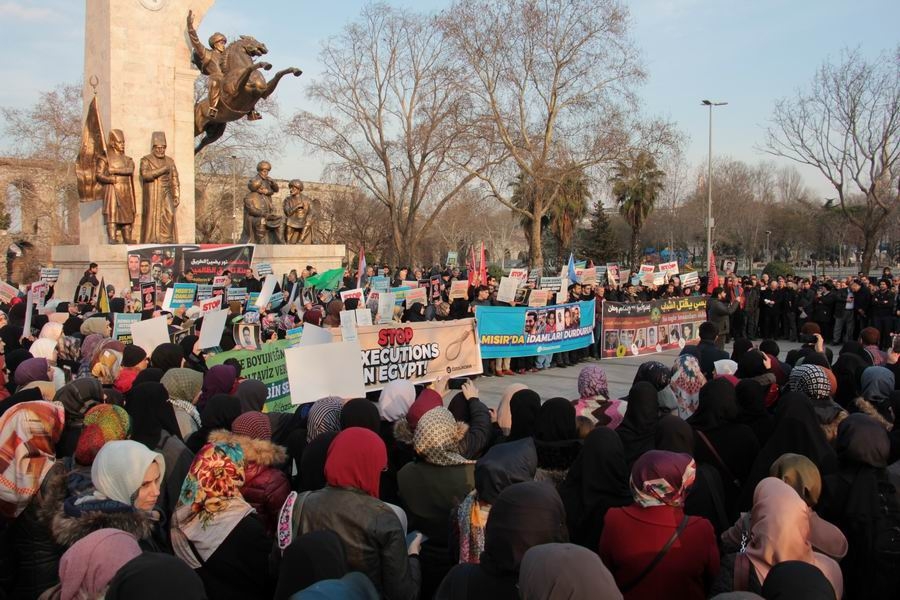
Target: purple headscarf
[(33, 369), (592, 382), (218, 380)]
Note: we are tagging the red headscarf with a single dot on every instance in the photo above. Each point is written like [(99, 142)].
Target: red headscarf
[(356, 458)]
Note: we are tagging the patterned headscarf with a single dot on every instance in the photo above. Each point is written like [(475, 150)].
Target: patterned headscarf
[(324, 416), (662, 478), (655, 373), (102, 423), (592, 382), (436, 439), (210, 505), (810, 380), (28, 433), (687, 379), (68, 348)]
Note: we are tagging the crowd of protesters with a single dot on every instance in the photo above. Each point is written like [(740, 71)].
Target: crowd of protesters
[(129, 473)]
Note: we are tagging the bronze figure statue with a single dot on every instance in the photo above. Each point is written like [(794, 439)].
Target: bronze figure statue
[(161, 194), (115, 172), (298, 220), (258, 206), (235, 82)]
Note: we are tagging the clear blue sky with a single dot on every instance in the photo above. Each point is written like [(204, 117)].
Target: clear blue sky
[(748, 53)]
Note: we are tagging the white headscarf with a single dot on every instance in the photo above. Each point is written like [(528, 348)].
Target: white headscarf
[(52, 331), (396, 398), (119, 468), (44, 348)]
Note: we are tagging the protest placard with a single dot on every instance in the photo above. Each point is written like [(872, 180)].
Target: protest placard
[(150, 333), (669, 268), (29, 308), (211, 304), (7, 292), (385, 307), (263, 269), (588, 276), (39, 291), (315, 336), (506, 292), (122, 322), (690, 278), (459, 289), (538, 298), (452, 259), (520, 274), (728, 266), (167, 299), (148, 296), (612, 274), (236, 294), (380, 283), (554, 284), (204, 291), (363, 317), (212, 328), (246, 335), (251, 302), (293, 335), (183, 295), (533, 276), (419, 295), (220, 281), (50, 275), (268, 287), (348, 325), (357, 293), (266, 365), (646, 273), (311, 372)]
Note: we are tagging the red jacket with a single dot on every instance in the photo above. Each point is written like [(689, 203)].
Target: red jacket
[(266, 487), (633, 536)]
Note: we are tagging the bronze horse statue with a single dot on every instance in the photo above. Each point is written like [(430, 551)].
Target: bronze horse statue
[(242, 87)]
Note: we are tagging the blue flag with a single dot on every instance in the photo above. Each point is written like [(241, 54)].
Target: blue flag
[(572, 276)]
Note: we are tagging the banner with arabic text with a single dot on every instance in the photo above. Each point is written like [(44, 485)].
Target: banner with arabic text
[(147, 262), (639, 328)]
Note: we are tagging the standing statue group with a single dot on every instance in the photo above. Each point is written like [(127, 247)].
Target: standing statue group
[(159, 185), (265, 225)]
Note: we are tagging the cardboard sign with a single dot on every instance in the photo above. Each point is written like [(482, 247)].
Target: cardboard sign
[(150, 333), (348, 325), (363, 317), (211, 304), (385, 307), (7, 292), (533, 276), (264, 269), (212, 328), (265, 294), (220, 281), (293, 335), (122, 322), (204, 291), (184, 294), (85, 294), (39, 291), (690, 279), (357, 293), (553, 284), (647, 273), (380, 283), (459, 289), (520, 274), (29, 308), (729, 265), (588, 276), (612, 274), (167, 299), (148, 297), (538, 298), (50, 275), (315, 336), (669, 268), (312, 375), (419, 295), (236, 294), (506, 292), (251, 302), (452, 259)]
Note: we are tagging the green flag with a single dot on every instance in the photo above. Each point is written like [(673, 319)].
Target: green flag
[(329, 280)]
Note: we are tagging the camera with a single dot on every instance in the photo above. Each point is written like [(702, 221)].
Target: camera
[(807, 338)]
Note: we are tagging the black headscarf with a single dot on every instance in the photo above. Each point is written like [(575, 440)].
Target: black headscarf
[(504, 465), (253, 394), (751, 401), (312, 462), (310, 558), (360, 412), (219, 413), (673, 434), (167, 356), (596, 482), (459, 408), (117, 305), (150, 412), (854, 347), (741, 347), (797, 431), (191, 360), (848, 370), (11, 334), (655, 373), (717, 406), (555, 421), (415, 313), (639, 424), (14, 358), (154, 575), (794, 579), (751, 365), (523, 409), (148, 375), (524, 515)]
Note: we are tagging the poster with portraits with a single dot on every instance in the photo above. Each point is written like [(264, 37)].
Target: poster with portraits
[(640, 328), (530, 331)]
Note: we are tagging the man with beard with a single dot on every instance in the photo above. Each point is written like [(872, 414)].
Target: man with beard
[(770, 310)]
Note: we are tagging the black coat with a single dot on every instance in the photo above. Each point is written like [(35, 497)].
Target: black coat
[(238, 569)]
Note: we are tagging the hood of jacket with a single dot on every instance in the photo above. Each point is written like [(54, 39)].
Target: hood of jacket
[(72, 522), (261, 452)]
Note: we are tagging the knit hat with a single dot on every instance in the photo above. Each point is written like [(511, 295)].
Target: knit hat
[(253, 424), (132, 355), (427, 400)]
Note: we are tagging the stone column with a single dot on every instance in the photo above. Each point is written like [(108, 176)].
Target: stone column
[(139, 53)]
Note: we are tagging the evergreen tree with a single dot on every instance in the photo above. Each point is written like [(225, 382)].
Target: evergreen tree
[(597, 242)]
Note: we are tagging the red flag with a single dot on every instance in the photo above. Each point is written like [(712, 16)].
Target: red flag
[(361, 267), (470, 267), (713, 279), (482, 268)]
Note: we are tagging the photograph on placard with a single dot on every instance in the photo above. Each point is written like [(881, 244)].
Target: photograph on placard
[(247, 336)]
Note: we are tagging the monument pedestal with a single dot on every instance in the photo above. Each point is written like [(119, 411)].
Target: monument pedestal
[(113, 262)]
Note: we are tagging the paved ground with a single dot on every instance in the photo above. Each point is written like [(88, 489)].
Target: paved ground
[(564, 382)]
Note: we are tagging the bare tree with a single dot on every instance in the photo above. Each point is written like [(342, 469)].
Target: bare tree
[(394, 118), (847, 125), (356, 220), (553, 81)]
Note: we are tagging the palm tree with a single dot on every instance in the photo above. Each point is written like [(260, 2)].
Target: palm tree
[(637, 183)]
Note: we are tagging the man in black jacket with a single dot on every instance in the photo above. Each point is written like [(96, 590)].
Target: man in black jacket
[(709, 352), (719, 313)]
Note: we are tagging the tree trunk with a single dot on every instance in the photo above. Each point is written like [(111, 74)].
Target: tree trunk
[(868, 252), (537, 252), (635, 250)]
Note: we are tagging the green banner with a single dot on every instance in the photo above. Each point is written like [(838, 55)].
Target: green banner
[(266, 365)]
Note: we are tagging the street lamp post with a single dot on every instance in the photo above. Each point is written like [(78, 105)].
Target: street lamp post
[(768, 256), (709, 221)]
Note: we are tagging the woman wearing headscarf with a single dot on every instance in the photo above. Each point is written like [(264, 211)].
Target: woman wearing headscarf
[(167, 356), (98, 325), (154, 424), (524, 406), (414, 314), (659, 376), (193, 355), (76, 398), (500, 467), (797, 431), (11, 362), (33, 369), (46, 348), (750, 396), (687, 379), (862, 499), (324, 416), (707, 496), (183, 386), (524, 515), (266, 487), (594, 402), (793, 579), (759, 366), (556, 571), (813, 381), (740, 348), (252, 393), (214, 530), (779, 531), (639, 424), (848, 370), (728, 446), (86, 568), (877, 386), (31, 485), (556, 440), (801, 474), (218, 380), (102, 424), (360, 412), (126, 478), (153, 575), (333, 314), (596, 482), (637, 536), (433, 486), (312, 557), (219, 413), (504, 415), (372, 535)]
